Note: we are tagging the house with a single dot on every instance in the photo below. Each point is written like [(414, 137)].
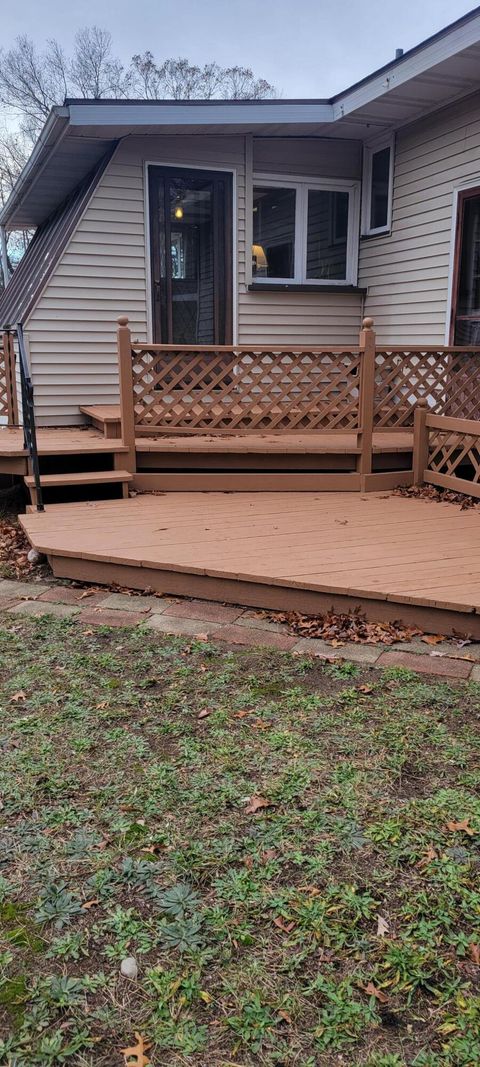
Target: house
[(287, 221), (238, 304)]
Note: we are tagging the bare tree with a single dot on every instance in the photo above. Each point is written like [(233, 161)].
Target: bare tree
[(32, 81), (177, 79)]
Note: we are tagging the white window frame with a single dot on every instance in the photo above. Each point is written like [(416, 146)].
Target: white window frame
[(302, 186), (369, 151)]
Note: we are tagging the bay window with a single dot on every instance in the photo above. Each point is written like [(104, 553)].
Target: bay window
[(305, 232)]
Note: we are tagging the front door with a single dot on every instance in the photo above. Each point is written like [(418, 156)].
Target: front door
[(465, 326), (191, 256)]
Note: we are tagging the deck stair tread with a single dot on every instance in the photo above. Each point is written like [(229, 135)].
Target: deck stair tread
[(273, 443), (83, 478), (102, 412)]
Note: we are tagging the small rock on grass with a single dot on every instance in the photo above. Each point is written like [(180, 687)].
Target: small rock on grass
[(129, 967)]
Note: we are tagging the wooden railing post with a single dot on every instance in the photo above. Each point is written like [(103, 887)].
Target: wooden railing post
[(366, 400), (10, 378), (420, 442), (125, 375)]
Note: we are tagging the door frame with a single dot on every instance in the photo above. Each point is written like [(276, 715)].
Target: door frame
[(460, 195), (233, 241)]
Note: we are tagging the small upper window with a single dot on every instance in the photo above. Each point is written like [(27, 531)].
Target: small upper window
[(377, 188)]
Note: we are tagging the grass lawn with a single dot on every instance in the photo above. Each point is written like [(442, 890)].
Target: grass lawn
[(289, 849)]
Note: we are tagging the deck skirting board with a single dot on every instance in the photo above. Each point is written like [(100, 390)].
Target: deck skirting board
[(240, 482), (259, 595)]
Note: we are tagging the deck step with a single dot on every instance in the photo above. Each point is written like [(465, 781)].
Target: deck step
[(104, 417), (85, 478)]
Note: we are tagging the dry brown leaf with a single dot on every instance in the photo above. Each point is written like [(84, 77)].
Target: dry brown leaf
[(204, 713), (255, 804), (285, 1016), (433, 639), (135, 1056), (382, 926), (474, 951), (268, 854), (260, 724), (462, 825), (201, 637), (18, 696), (90, 903), (241, 714), (372, 991), (428, 857), (365, 689), (282, 925), (88, 633)]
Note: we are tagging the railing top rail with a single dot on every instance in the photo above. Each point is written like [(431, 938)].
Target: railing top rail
[(449, 423), (248, 349), (434, 349)]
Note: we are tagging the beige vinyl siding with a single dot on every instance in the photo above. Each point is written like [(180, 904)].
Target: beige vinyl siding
[(103, 272), (407, 272)]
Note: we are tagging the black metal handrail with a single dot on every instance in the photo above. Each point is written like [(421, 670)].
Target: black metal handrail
[(28, 411)]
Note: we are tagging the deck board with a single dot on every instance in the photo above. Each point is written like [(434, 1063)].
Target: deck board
[(375, 548), (68, 440)]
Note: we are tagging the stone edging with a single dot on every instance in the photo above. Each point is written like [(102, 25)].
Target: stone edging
[(223, 622)]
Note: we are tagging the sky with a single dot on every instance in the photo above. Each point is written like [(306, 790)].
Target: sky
[(304, 47)]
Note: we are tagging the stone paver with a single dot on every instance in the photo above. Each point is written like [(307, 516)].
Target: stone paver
[(9, 587), (168, 624), (143, 604), (446, 648), (204, 610), (234, 625), (97, 617), (242, 635), (255, 622), (65, 594), (37, 608), (352, 652), (441, 666)]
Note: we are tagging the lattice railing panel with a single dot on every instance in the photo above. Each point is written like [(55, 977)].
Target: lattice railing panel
[(447, 378), (8, 392), (246, 389), (455, 454)]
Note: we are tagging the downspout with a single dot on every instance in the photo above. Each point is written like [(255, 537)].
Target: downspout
[(3, 256)]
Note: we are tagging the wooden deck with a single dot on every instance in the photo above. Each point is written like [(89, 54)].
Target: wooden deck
[(68, 440), (396, 557)]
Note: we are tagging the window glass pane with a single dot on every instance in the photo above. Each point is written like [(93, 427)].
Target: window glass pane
[(467, 317), (379, 190), (273, 250), (327, 235)]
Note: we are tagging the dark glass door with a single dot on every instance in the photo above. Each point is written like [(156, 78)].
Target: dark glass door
[(466, 280), (190, 235)]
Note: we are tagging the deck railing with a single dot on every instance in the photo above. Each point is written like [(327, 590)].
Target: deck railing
[(259, 389), (8, 383), (446, 451)]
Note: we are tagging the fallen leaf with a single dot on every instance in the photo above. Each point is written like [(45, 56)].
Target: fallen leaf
[(269, 854), (241, 714), (260, 724), (428, 857), (433, 639), (135, 1056), (88, 633), (201, 637), (90, 903), (255, 804), (462, 825), (282, 925), (204, 713), (372, 991), (285, 1016), (382, 926), (365, 689), (18, 696), (474, 951)]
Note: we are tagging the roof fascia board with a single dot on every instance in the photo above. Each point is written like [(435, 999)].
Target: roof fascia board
[(54, 130), (188, 114), (403, 70)]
